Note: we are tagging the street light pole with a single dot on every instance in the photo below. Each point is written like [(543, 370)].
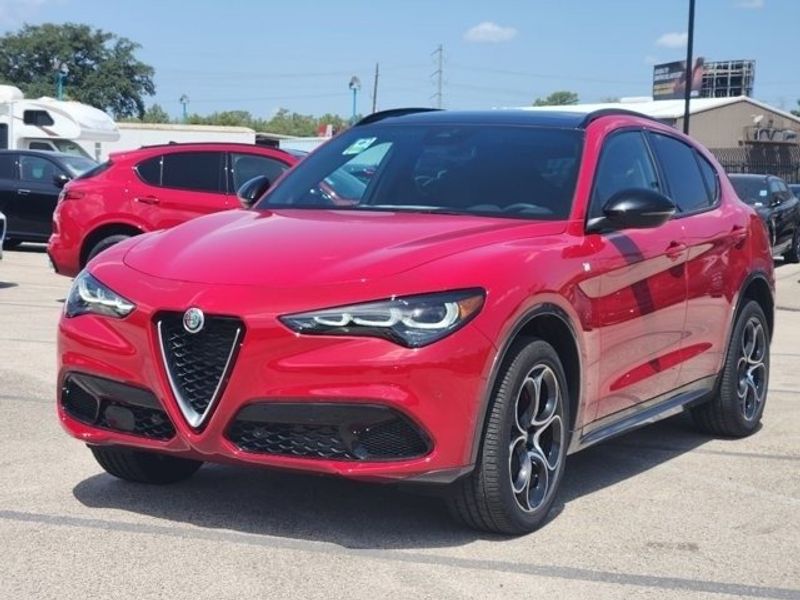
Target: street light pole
[(62, 70), (689, 70), (354, 85), (184, 100)]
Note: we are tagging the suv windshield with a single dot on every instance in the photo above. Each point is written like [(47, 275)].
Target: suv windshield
[(503, 171), (751, 189)]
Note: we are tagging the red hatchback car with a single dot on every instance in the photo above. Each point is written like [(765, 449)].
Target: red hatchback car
[(154, 187), (502, 289)]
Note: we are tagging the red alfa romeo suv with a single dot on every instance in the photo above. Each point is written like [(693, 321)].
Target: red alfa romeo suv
[(154, 187), (483, 294)]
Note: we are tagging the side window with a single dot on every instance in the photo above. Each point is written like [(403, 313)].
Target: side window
[(7, 166), (200, 171), (710, 178), (35, 169), (624, 164), (150, 170), (41, 146), (246, 166), (682, 173)]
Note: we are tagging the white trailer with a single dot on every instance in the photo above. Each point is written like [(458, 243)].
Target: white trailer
[(53, 125), (136, 135)]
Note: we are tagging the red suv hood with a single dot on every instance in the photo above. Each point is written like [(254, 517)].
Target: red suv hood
[(295, 247)]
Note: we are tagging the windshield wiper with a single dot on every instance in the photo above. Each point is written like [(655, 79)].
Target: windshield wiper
[(412, 208)]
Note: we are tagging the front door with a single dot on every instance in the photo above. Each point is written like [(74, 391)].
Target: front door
[(639, 303), (30, 208)]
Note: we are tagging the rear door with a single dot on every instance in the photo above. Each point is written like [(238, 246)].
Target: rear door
[(177, 186), (36, 197), (640, 297), (715, 236)]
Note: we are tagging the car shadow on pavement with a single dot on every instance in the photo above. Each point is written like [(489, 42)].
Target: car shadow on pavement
[(358, 515)]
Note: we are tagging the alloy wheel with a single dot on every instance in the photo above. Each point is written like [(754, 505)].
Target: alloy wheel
[(752, 369), (537, 438)]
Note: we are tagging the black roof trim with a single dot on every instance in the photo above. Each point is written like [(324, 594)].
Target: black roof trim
[(392, 112), (173, 144), (610, 112)]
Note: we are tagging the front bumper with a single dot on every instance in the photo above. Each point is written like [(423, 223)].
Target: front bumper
[(435, 389)]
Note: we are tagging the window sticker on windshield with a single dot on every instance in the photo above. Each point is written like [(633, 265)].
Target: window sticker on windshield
[(762, 193), (359, 146)]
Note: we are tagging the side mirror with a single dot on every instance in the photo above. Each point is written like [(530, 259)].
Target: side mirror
[(60, 180), (636, 208), (252, 190)]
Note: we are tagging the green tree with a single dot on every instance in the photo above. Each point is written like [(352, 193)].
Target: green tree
[(156, 114), (103, 68), (557, 99)]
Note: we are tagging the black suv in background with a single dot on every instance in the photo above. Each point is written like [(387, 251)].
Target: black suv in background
[(777, 206), (30, 182)]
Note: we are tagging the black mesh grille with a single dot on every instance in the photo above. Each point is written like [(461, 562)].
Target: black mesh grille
[(197, 361), (115, 406), (148, 422), (321, 441), (345, 431)]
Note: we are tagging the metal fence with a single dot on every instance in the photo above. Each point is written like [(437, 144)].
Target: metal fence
[(782, 160)]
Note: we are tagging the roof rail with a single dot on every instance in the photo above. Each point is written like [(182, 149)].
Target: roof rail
[(610, 112), (392, 112)]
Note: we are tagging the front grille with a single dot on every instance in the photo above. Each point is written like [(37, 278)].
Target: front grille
[(115, 406), (198, 363), (324, 430)]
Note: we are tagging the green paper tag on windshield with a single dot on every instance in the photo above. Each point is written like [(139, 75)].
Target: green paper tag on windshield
[(359, 146)]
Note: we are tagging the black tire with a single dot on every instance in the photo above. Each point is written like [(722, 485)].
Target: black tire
[(144, 467), (486, 498), (793, 255), (728, 413), (11, 244), (105, 244)]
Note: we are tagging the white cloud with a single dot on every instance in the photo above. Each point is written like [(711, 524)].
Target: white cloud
[(755, 4), (673, 40), (489, 32)]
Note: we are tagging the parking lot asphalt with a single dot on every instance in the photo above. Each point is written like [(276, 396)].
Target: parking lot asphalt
[(663, 512)]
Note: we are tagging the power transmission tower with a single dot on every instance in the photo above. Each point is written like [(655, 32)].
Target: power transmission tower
[(438, 74), (375, 90)]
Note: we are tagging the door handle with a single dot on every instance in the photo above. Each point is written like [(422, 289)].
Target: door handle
[(23, 192), (675, 249), (739, 234), (152, 200)]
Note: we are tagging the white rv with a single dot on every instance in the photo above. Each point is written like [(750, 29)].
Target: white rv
[(54, 125)]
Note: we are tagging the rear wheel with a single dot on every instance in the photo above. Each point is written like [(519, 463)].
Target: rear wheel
[(735, 409), (105, 244), (144, 467), (524, 446)]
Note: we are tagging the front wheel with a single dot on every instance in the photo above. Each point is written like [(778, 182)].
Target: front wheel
[(736, 407), (521, 461), (144, 467)]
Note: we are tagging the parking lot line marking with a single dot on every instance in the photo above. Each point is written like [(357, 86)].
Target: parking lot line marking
[(550, 571)]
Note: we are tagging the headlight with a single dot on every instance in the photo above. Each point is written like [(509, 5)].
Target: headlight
[(411, 321), (88, 295)]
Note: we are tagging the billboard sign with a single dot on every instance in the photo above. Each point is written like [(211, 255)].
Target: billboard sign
[(669, 80)]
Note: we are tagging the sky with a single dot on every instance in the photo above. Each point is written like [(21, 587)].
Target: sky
[(260, 55)]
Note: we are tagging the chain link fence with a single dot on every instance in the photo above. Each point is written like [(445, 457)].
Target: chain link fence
[(782, 160)]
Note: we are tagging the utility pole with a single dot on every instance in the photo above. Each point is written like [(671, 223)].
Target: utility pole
[(439, 74), (375, 90), (689, 69)]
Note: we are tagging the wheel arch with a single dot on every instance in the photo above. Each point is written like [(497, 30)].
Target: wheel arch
[(103, 231), (756, 287), (553, 324)]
